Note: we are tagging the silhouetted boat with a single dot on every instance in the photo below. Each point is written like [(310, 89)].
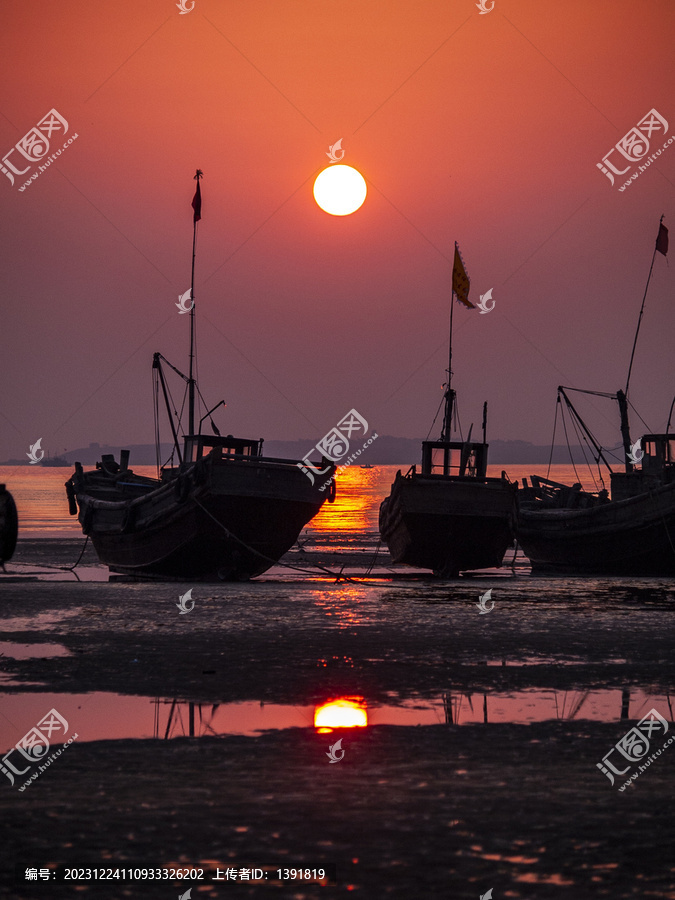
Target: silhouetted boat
[(628, 531), (224, 511), (565, 530), (56, 462), (9, 525), (451, 516)]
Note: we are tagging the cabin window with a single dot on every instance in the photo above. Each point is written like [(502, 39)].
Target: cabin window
[(659, 452), (444, 461)]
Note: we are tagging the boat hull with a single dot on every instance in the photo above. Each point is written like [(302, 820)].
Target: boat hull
[(9, 525), (218, 520), (448, 524), (635, 536)]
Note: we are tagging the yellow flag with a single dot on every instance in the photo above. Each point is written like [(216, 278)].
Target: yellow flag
[(460, 280)]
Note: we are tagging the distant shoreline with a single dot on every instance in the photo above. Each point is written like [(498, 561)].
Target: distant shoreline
[(386, 451)]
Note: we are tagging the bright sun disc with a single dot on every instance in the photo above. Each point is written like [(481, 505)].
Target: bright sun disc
[(340, 190)]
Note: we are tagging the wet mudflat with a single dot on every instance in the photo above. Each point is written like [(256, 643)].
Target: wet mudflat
[(445, 810)]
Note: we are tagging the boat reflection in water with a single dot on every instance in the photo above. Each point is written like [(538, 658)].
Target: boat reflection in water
[(345, 712)]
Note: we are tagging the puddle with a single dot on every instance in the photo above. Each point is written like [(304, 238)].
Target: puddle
[(18, 572), (8, 681), (107, 716), (32, 651), (37, 622), (545, 661)]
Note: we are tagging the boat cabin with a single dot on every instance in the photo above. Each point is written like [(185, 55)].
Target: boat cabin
[(199, 445), (659, 453), (458, 458), (657, 467)]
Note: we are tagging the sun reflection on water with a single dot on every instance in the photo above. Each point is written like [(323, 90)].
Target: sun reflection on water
[(345, 712), (357, 500)]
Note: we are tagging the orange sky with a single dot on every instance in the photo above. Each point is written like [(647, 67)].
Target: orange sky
[(485, 129)]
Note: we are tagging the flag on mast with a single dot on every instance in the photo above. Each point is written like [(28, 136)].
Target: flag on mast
[(460, 280), (197, 199), (662, 239)]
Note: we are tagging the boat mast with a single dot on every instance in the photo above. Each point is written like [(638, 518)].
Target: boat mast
[(622, 400), (449, 393), (662, 246), (197, 207), (460, 291)]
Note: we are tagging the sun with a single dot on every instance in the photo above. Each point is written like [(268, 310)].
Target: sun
[(340, 190)]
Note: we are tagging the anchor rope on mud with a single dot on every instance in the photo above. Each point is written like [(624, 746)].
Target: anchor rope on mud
[(306, 571), (62, 568)]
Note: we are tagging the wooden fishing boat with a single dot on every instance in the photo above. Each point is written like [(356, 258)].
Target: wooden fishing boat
[(9, 525), (629, 530), (447, 522), (450, 517), (224, 511)]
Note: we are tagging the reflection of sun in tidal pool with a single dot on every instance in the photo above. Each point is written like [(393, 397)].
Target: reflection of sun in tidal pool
[(342, 713), (340, 190)]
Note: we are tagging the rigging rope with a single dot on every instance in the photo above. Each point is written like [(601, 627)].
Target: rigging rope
[(568, 446), (337, 575), (555, 424)]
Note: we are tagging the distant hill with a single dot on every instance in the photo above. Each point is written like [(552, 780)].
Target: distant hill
[(385, 450)]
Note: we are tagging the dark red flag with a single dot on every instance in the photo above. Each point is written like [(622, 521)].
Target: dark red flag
[(197, 203), (662, 239)]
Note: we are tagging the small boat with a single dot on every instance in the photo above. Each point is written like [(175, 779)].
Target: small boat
[(367, 467), (9, 525), (450, 517), (224, 511), (55, 462), (629, 530)]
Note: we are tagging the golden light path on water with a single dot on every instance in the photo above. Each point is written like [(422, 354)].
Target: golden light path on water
[(43, 509), (357, 501)]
